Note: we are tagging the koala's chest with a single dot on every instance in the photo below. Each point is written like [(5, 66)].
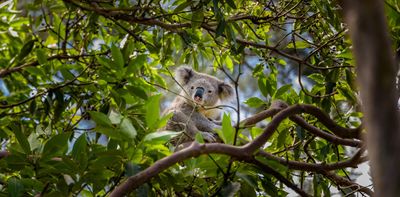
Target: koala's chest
[(210, 113)]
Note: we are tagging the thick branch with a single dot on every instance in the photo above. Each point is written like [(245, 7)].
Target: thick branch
[(243, 153), (194, 150), (297, 109), (322, 134)]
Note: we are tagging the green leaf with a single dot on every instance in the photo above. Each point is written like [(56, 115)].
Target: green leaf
[(80, 152), (15, 187), (26, 49), (42, 56), (347, 92), (21, 138), (118, 57), (299, 45), (229, 63), (104, 61), (127, 128), (262, 86), (164, 120), (282, 62), (230, 189), (269, 186), (79, 148), (182, 6), (255, 132), (220, 28), (230, 34), (282, 138), (254, 102), (137, 91), (199, 138), (231, 3), (56, 146), (32, 107), (350, 79), (247, 190), (282, 90), (161, 136), (228, 132), (153, 111), (100, 119), (333, 75), (135, 64), (318, 78), (197, 18)]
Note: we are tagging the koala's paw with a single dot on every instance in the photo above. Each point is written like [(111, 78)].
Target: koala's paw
[(209, 137), (216, 122)]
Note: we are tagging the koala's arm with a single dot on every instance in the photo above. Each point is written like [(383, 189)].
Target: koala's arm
[(181, 121), (203, 123), (217, 122)]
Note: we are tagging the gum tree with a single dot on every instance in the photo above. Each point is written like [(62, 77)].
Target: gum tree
[(82, 83)]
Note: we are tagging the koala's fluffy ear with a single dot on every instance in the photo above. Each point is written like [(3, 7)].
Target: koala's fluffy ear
[(225, 91), (183, 74)]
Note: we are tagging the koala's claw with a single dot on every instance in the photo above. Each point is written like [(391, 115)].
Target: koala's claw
[(209, 137)]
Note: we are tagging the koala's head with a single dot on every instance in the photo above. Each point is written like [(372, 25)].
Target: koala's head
[(204, 89)]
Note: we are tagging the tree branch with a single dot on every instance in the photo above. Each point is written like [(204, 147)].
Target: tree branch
[(344, 182), (194, 150), (278, 176), (7, 71), (313, 167)]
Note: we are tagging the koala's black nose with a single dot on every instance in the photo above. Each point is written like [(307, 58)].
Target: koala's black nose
[(199, 92)]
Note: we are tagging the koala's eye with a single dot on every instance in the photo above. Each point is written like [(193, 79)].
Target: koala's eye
[(209, 91), (192, 87)]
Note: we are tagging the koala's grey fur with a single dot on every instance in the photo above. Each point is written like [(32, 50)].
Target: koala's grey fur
[(190, 113)]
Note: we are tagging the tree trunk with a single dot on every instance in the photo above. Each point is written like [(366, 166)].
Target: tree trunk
[(376, 77)]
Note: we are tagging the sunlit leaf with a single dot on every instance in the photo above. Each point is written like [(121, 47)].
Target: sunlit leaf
[(282, 90), (227, 132), (161, 136), (127, 128), (254, 102)]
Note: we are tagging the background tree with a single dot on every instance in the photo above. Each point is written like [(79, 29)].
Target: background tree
[(82, 83)]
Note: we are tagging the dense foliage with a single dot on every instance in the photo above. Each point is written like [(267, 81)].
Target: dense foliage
[(82, 84)]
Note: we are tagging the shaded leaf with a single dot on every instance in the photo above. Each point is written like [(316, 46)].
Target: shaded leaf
[(153, 111), (22, 139), (100, 119), (26, 49), (15, 187), (56, 146)]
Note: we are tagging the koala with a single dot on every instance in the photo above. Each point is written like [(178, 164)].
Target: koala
[(190, 109)]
